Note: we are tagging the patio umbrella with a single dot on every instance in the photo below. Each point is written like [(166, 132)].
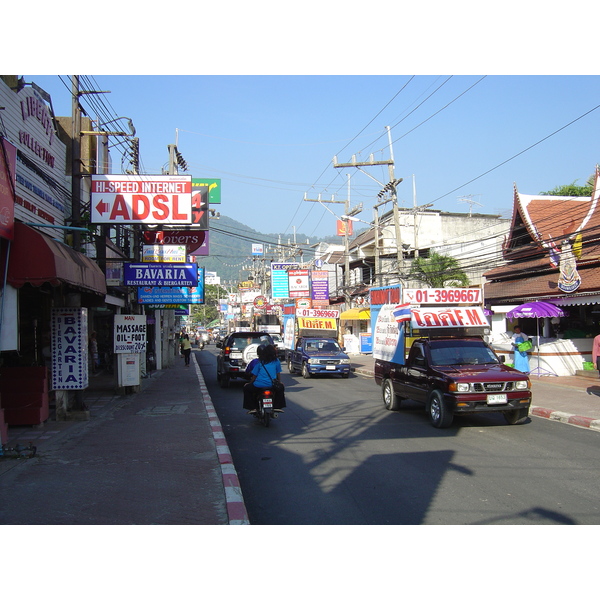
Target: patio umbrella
[(537, 310)]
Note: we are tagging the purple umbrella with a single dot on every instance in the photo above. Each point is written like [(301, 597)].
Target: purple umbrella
[(537, 310)]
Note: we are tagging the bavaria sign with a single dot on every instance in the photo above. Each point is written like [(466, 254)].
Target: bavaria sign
[(154, 199), (161, 274)]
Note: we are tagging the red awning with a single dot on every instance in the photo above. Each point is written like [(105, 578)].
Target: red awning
[(36, 258)]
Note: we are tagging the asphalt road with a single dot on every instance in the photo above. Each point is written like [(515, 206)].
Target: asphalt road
[(336, 456)]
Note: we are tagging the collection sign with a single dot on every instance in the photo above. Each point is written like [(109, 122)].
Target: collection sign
[(154, 199), (161, 274), (69, 332)]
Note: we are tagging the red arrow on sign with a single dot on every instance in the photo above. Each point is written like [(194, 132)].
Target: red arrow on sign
[(102, 207)]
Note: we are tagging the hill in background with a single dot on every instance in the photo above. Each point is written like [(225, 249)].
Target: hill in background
[(230, 247)]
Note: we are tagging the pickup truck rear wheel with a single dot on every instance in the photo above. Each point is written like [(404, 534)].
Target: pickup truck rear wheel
[(290, 366), (305, 371), (439, 414), (516, 417), (390, 399)]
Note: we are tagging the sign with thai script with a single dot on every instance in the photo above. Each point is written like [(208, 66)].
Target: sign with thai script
[(164, 253), (155, 199), (299, 283), (442, 296), (161, 274), (69, 342), (129, 334), (322, 324), (279, 279), (453, 316), (320, 285), (388, 337)]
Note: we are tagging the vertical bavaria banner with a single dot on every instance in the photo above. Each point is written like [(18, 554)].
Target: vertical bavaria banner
[(69, 331)]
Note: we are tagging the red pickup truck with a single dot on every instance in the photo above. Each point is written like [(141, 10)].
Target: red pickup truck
[(455, 376)]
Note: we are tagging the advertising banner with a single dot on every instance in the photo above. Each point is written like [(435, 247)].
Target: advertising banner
[(161, 274), (8, 169), (320, 286), (164, 253), (322, 324), (279, 279), (194, 240), (152, 199), (171, 295), (453, 316), (69, 331), (130, 334), (442, 295), (388, 336), (299, 283), (318, 313)]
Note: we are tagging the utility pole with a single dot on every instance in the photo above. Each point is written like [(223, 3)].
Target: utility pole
[(389, 187), (76, 162)]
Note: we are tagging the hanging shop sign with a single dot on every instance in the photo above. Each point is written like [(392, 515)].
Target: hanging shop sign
[(279, 279), (161, 274), (152, 199), (442, 296), (171, 295), (69, 343), (129, 334), (164, 253), (196, 241), (320, 287), (299, 283)]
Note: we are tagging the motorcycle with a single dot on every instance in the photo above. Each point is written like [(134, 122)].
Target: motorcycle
[(201, 344), (265, 411)]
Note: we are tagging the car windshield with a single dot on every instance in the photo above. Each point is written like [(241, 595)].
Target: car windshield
[(450, 353), (322, 346), (241, 342)]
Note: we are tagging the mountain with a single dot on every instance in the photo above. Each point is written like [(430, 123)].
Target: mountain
[(230, 247)]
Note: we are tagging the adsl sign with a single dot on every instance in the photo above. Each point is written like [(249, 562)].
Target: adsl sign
[(164, 199)]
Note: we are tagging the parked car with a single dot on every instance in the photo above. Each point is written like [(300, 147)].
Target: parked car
[(236, 351)]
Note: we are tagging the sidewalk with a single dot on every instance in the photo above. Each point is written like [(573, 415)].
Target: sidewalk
[(574, 400), (155, 457)]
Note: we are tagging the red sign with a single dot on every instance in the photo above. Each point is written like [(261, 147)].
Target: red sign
[(161, 200), (8, 162), (192, 239)]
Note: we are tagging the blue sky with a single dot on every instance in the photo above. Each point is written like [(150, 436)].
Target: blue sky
[(271, 139)]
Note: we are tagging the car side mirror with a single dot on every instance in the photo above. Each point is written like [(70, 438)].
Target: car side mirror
[(502, 358)]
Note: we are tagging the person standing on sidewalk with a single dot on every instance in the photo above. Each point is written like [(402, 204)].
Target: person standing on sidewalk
[(596, 352), (521, 359), (186, 349)]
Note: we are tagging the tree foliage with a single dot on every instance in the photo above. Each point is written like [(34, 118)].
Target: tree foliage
[(202, 314), (438, 271), (572, 189)]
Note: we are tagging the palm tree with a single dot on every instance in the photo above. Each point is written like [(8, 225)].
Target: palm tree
[(438, 271)]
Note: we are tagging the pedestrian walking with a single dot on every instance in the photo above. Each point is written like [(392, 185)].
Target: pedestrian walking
[(186, 349)]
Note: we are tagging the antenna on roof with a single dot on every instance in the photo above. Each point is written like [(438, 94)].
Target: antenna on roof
[(469, 200)]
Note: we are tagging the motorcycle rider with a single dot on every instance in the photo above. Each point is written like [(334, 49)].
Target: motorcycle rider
[(265, 370)]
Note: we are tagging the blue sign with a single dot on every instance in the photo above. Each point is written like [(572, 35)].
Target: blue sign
[(161, 274), (171, 295)]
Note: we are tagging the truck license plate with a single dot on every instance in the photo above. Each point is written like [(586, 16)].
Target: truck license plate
[(236, 355), (496, 399), (330, 367)]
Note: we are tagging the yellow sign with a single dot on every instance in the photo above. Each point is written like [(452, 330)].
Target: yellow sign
[(325, 324)]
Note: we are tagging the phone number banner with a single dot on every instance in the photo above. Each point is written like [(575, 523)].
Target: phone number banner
[(442, 296)]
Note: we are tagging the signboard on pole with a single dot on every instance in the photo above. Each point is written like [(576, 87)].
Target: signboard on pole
[(130, 334), (136, 199), (161, 274), (164, 253), (279, 279), (299, 283), (69, 332)]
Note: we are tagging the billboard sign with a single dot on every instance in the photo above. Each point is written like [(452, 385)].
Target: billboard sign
[(161, 274), (129, 334), (171, 295), (164, 253), (136, 199), (8, 169), (279, 279)]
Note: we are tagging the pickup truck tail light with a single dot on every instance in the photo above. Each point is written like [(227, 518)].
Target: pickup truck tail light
[(227, 351)]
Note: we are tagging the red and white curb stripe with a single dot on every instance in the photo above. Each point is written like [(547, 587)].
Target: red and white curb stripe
[(236, 509), (563, 417)]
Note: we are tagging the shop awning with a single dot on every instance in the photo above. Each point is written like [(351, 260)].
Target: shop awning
[(36, 258), (356, 314)]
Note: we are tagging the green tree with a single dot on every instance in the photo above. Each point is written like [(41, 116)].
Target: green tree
[(202, 314), (438, 271), (572, 189)]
